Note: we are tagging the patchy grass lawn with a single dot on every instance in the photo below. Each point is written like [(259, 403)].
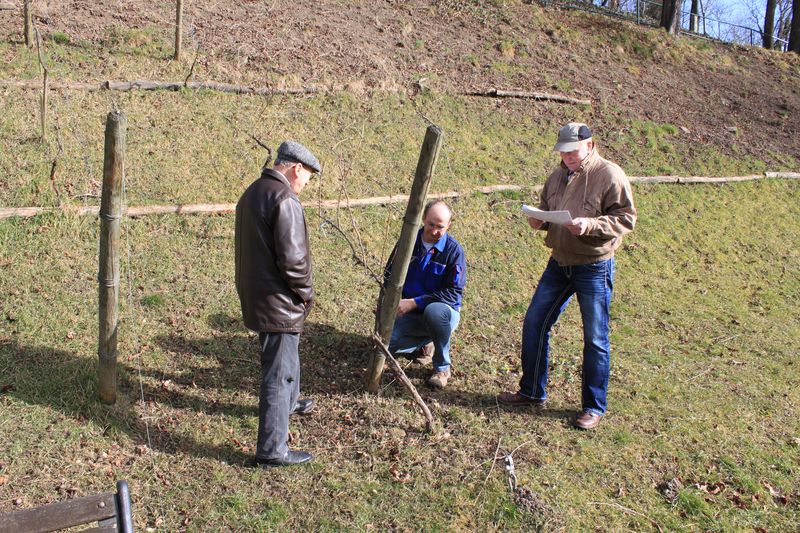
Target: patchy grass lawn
[(703, 395)]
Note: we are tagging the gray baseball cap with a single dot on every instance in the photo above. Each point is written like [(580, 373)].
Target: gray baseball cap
[(297, 153), (570, 135)]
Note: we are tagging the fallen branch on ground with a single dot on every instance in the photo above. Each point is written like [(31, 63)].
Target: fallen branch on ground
[(499, 93), (150, 85), (186, 209), (405, 381)]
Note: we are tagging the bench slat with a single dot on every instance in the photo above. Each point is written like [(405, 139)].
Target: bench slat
[(60, 515)]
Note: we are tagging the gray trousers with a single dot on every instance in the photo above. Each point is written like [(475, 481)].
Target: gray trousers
[(279, 392)]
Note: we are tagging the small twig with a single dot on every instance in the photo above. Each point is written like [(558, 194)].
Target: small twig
[(631, 511), (55, 160), (491, 469), (398, 370), (520, 446), (264, 146), (45, 85), (191, 69), (356, 258), (703, 373), (255, 139), (725, 339)]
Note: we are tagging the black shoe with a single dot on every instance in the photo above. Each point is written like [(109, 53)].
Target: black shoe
[(291, 458), (303, 407)]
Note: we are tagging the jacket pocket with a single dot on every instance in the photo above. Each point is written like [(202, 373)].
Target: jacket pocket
[(593, 206)]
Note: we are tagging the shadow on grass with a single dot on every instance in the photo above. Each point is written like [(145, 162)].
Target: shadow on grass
[(206, 375), (201, 369), (68, 383)]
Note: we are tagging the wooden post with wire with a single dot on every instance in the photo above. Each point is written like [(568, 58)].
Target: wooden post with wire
[(394, 287), (27, 15), (108, 277), (178, 29)]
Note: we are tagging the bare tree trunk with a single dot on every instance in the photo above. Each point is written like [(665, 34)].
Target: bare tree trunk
[(671, 16), (769, 24), (694, 17), (794, 32), (28, 16)]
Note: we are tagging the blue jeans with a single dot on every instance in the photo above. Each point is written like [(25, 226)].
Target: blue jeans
[(435, 324), (593, 284)]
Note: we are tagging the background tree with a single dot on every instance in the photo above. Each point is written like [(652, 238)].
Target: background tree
[(769, 24), (694, 16), (794, 31), (671, 16)]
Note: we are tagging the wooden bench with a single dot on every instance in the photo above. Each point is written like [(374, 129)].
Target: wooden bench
[(112, 512)]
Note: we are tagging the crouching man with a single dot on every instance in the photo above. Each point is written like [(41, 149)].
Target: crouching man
[(429, 310)]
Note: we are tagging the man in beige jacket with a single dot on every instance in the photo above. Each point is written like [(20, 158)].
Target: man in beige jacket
[(598, 196)]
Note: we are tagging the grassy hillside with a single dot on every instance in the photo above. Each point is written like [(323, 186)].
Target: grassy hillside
[(704, 385), (702, 432)]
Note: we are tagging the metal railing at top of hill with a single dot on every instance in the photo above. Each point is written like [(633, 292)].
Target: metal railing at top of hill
[(648, 13)]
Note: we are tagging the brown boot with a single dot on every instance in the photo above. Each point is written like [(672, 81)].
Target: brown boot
[(439, 379), (424, 356)]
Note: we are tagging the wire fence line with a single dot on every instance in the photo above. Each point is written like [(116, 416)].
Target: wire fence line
[(648, 13)]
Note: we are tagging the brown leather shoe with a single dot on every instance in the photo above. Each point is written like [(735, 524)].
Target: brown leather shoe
[(439, 379), (424, 356), (515, 399), (587, 420)]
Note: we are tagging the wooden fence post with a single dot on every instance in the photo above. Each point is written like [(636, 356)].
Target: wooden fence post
[(108, 278), (28, 16), (405, 247), (178, 29)]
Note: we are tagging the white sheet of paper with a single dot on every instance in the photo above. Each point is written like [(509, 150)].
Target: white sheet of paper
[(556, 217)]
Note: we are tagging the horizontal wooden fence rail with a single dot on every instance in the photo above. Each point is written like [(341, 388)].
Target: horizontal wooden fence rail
[(186, 209)]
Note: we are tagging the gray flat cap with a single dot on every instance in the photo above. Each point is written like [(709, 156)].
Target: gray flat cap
[(297, 153)]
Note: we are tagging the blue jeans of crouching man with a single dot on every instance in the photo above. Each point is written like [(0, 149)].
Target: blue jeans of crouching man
[(593, 284), (435, 324)]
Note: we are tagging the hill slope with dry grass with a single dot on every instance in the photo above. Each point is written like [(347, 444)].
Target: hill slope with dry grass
[(744, 101)]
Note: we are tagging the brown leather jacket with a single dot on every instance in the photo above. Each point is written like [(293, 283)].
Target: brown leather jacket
[(273, 259)]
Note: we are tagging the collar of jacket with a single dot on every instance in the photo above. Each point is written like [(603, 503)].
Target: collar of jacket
[(439, 245), (274, 174), (587, 163)]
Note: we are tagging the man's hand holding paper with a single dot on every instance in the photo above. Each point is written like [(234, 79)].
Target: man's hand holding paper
[(556, 217)]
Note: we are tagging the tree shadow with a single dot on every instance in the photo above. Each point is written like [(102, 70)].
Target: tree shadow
[(227, 362), (208, 375)]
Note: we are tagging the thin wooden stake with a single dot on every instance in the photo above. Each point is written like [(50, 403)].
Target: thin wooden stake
[(108, 278), (405, 247), (178, 29), (405, 381), (28, 18), (45, 87)]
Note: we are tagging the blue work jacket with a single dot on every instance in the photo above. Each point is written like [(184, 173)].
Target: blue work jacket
[(436, 276)]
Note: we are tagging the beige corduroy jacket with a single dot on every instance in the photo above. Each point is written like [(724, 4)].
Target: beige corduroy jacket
[(599, 190)]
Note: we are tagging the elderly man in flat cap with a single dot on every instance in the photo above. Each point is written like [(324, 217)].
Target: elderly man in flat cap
[(598, 196), (274, 283)]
